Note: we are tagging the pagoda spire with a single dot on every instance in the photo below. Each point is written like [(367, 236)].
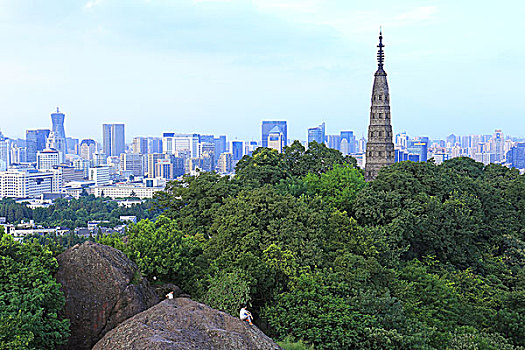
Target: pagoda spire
[(380, 53)]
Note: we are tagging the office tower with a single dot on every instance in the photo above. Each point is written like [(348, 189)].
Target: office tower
[(276, 139), (466, 141), (178, 165), (220, 144), (451, 140), (380, 148), (225, 163), (5, 152), (47, 159), (57, 120), (72, 145), (250, 147), (23, 183), (497, 145), (516, 156), (154, 145), (100, 175), (206, 138), (152, 159), (99, 159), (164, 169), (140, 145), (207, 153), (237, 150), (113, 139), (333, 141), (348, 141), (132, 163), (54, 142), (35, 141), (419, 146), (269, 125), (317, 134), (181, 144), (88, 147)]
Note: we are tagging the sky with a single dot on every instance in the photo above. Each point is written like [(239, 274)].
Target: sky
[(222, 66)]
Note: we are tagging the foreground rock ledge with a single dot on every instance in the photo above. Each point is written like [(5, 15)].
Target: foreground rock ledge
[(184, 324), (102, 288)]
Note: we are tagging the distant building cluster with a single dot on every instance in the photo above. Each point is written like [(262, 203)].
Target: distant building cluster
[(47, 161)]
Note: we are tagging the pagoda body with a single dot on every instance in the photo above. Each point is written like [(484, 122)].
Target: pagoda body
[(379, 148)]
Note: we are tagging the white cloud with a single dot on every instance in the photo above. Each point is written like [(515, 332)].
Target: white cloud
[(92, 3)]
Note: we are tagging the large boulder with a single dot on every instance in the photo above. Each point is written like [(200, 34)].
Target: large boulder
[(183, 324), (102, 288)]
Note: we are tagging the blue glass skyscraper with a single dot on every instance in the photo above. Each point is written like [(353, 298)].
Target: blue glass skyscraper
[(268, 125)]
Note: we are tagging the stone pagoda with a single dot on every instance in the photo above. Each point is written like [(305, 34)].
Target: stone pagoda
[(380, 148)]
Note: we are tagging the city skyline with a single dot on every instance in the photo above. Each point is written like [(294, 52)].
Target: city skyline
[(222, 67)]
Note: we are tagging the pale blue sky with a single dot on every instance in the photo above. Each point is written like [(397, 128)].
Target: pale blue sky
[(222, 66)]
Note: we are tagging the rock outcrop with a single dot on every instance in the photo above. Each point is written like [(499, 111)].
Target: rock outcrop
[(183, 324), (102, 288)]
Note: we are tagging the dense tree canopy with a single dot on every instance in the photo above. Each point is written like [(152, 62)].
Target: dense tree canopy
[(425, 256)]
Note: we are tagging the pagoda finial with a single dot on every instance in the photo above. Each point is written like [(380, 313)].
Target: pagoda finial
[(380, 53)]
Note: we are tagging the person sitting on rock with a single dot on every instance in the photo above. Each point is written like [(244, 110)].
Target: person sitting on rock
[(246, 315), (169, 295)]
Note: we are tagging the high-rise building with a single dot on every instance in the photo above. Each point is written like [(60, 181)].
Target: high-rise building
[(154, 145), (225, 164), (379, 148), (269, 125), (419, 146), (47, 159), (100, 175), (451, 140), (23, 183), (276, 139), (140, 145), (72, 145), (152, 159), (5, 152), (88, 147), (317, 134), (237, 149), (60, 143), (132, 163), (220, 144), (181, 144), (348, 140), (35, 141), (113, 139), (516, 156), (333, 141)]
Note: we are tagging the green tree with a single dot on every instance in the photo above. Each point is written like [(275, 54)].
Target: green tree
[(30, 298), (228, 291)]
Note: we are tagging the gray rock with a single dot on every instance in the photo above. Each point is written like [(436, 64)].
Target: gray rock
[(102, 288), (183, 324)]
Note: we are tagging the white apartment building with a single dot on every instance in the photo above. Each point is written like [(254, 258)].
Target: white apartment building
[(23, 183), (126, 191), (181, 143), (100, 175), (47, 159)]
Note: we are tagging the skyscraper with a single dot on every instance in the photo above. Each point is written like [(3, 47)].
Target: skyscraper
[(35, 141), (350, 143), (57, 119), (379, 148), (269, 125), (113, 137), (317, 134)]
